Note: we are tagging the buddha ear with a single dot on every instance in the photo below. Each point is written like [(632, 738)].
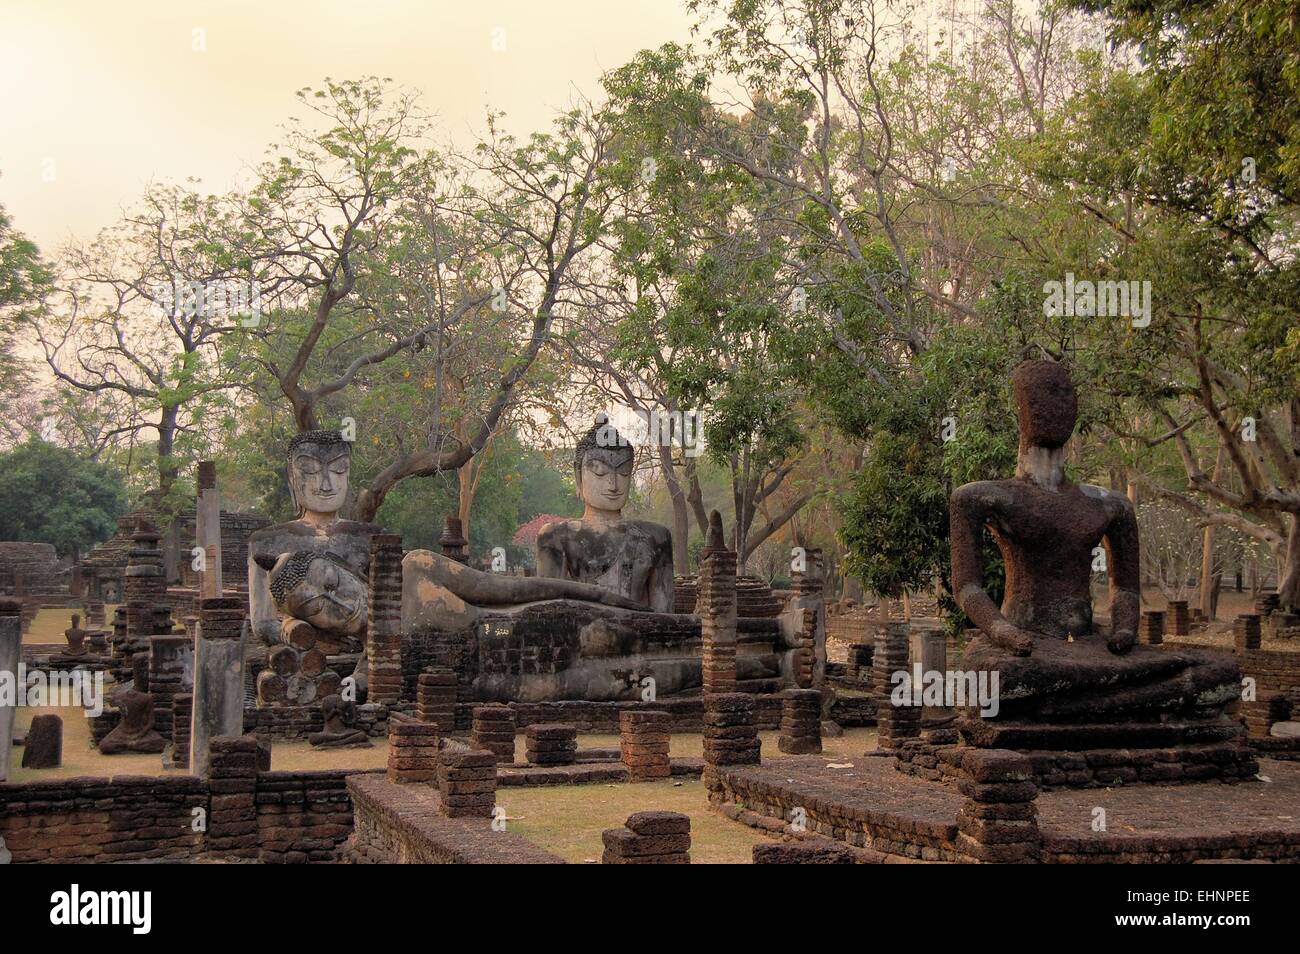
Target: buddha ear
[(265, 561)]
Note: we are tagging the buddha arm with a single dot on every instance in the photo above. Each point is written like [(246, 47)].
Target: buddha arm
[(969, 509), (492, 589), (265, 621), (1125, 577)]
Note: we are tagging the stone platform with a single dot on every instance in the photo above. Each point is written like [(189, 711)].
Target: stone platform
[(895, 816)]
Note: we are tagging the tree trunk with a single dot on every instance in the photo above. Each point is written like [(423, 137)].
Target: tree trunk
[(1208, 587), (1288, 588), (681, 512), (167, 467)]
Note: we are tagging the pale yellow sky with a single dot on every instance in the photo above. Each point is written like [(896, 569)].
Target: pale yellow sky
[(99, 98)]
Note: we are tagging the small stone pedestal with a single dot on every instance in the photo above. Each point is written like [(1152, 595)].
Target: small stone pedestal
[(551, 744), (643, 739), (412, 749), (467, 783), (493, 730), (649, 838), (801, 722), (435, 699)]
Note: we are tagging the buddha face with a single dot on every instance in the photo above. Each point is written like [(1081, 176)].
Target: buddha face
[(318, 475), (606, 478), (321, 590)]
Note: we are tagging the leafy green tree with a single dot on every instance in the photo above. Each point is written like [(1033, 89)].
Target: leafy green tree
[(50, 495)]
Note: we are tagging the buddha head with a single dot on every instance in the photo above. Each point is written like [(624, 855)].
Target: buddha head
[(319, 588), (319, 462), (602, 469), (1046, 403)]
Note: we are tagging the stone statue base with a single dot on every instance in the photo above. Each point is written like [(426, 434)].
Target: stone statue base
[(554, 650)]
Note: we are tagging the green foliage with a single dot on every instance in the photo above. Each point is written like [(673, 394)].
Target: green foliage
[(50, 495)]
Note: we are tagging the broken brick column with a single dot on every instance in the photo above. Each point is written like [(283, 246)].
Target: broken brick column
[(1180, 621), (649, 838), (801, 722), (1246, 632), (810, 651), (166, 673), (716, 607), (384, 645), (182, 714), (412, 749), (492, 728), (467, 783), (232, 779), (894, 723), (643, 740), (435, 698), (998, 820), (730, 734), (1151, 628), (551, 744)]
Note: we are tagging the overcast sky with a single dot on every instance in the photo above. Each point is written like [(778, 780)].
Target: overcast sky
[(100, 98)]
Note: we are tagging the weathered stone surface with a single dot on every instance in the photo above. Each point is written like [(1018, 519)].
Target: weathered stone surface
[(44, 746)]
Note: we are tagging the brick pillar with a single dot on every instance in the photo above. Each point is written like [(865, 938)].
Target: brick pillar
[(1151, 628), (435, 699), (493, 730), (467, 783), (894, 724), (166, 671), (143, 583), (1246, 631), (551, 743), (649, 838), (1260, 714), (384, 647), (182, 713), (810, 668), (801, 722), (643, 739), (232, 779), (1180, 622), (998, 820), (716, 607), (412, 749), (94, 614), (730, 735)]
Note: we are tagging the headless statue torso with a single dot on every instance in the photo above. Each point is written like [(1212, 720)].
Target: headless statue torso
[(1042, 642)]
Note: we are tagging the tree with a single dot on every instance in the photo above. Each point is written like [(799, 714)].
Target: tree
[(50, 495)]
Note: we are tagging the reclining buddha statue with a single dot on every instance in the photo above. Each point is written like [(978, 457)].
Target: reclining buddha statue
[(595, 622), (1059, 670)]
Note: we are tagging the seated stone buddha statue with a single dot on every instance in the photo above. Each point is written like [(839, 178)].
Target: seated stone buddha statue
[(1054, 664), (319, 466)]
